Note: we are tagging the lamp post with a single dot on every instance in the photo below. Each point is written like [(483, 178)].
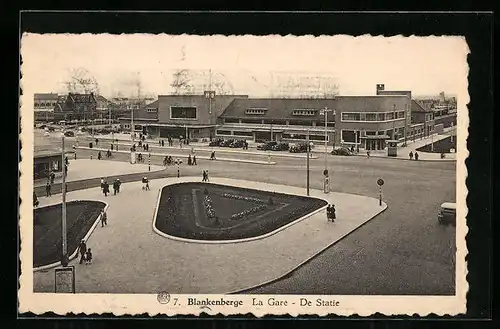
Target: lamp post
[(394, 122), (325, 113), (64, 255)]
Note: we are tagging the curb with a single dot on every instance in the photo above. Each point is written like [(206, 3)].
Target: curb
[(186, 155), (259, 237), (86, 237), (404, 159), (307, 260)]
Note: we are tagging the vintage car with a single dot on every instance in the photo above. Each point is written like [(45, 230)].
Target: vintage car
[(281, 146), (342, 151), (267, 146), (299, 148), (216, 142), (447, 213), (237, 144)]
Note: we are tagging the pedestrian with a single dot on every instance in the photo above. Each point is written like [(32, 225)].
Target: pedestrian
[(112, 147), (368, 154), (194, 160), (180, 143), (66, 161), (159, 142), (48, 188), (96, 141), (88, 257), (115, 187), (331, 214), (52, 177), (102, 183), (204, 174), (212, 155), (416, 156), (118, 184), (75, 155), (105, 189), (189, 160), (162, 142), (99, 155), (83, 249), (411, 155), (104, 218)]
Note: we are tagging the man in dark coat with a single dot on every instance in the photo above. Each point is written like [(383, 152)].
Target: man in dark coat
[(47, 190), (99, 155), (82, 248), (194, 160), (35, 200), (105, 189)]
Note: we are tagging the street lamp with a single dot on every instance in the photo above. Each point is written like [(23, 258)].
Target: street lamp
[(325, 113), (64, 256), (307, 162), (394, 122)]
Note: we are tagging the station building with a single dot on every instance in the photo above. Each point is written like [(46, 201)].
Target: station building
[(361, 121)]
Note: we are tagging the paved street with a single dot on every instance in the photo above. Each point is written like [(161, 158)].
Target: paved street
[(403, 251)]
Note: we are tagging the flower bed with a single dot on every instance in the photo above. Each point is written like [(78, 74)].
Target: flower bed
[(47, 232), (187, 211)]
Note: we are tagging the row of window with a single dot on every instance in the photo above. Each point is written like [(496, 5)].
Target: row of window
[(298, 112), (45, 104), (306, 112), (256, 111), (285, 136), (372, 116), (279, 122)]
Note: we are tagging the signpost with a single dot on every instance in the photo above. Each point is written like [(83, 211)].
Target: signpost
[(149, 162), (65, 280), (380, 182)]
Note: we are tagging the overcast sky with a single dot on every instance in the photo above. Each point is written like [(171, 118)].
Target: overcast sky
[(256, 66)]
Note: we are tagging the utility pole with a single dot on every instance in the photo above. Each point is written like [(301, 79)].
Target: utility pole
[(64, 256), (325, 112), (394, 122), (307, 162)]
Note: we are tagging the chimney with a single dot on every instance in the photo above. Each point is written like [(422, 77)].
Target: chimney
[(380, 87)]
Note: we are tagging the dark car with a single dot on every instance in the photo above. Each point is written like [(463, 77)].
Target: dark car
[(282, 146), (267, 146), (342, 151), (216, 142), (227, 142), (69, 133), (299, 148), (237, 144)]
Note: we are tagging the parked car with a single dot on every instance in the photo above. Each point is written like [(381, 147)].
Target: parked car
[(298, 148), (69, 133), (447, 213), (267, 146), (227, 142), (342, 151), (216, 142), (282, 146), (237, 144)]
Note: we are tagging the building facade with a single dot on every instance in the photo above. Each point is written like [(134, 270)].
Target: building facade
[(44, 104)]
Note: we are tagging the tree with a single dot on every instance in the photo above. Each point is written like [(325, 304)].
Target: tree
[(82, 82)]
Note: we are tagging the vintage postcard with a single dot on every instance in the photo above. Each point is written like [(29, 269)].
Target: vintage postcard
[(190, 174)]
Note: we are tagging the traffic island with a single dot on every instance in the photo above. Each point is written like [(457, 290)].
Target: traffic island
[(220, 214), (47, 233)]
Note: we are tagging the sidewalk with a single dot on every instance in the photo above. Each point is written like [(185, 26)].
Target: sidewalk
[(86, 169), (129, 257), (180, 155)]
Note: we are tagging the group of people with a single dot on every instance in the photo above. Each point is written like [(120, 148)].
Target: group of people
[(411, 155), (85, 253), (205, 176), (99, 155), (145, 183), (330, 213), (192, 161), (170, 142), (105, 186)]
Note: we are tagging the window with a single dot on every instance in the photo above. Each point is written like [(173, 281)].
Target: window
[(295, 136), (317, 138), (274, 122), (370, 133), (223, 132), (401, 114), (152, 110), (348, 136), (300, 123), (243, 133), (381, 116), (231, 120), (306, 112), (389, 116), (350, 116), (371, 116), (255, 111), (183, 112)]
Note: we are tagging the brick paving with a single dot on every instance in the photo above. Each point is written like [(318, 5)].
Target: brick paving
[(129, 257)]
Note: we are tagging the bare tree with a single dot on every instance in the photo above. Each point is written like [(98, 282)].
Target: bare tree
[(81, 81)]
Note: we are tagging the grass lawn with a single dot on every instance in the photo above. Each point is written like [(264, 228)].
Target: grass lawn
[(47, 232), (235, 213)]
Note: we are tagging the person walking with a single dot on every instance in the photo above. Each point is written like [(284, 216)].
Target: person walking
[(416, 156), (212, 155), (104, 218), (204, 174), (207, 178), (48, 188), (88, 257), (35, 200), (189, 160), (162, 142), (99, 155), (82, 248), (102, 183), (105, 189), (118, 184), (52, 177), (411, 155), (194, 160), (115, 187)]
